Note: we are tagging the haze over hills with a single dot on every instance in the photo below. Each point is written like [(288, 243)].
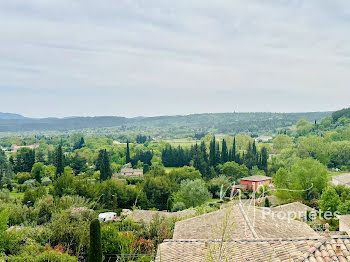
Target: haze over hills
[(222, 122)]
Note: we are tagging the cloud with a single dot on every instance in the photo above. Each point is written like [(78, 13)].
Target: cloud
[(164, 57)]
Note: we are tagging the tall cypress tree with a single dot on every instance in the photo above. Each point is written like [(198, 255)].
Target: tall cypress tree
[(264, 158), (234, 154), (128, 160), (59, 160), (105, 169), (212, 155), (95, 250), (224, 152), (217, 154)]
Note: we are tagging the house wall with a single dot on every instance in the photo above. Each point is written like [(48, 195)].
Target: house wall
[(255, 184)]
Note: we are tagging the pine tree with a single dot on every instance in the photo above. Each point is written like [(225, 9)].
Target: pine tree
[(95, 250), (224, 152), (59, 160), (128, 160)]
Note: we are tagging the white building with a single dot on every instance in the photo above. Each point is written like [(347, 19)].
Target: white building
[(107, 216)]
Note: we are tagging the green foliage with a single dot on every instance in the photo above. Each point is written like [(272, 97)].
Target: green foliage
[(307, 175), (32, 195), (214, 185), (59, 160), (114, 241), (178, 206), (281, 142), (193, 193), (267, 202), (95, 249), (4, 217), (233, 171), (341, 113), (329, 200), (103, 165)]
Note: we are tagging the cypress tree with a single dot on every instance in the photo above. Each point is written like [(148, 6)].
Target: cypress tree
[(234, 157), (212, 155), (128, 160), (105, 172), (224, 152), (217, 154), (264, 158), (59, 160), (95, 250)]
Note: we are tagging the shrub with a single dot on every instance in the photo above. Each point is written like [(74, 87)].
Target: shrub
[(178, 206), (46, 181)]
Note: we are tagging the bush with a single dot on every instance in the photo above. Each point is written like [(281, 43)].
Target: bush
[(178, 206), (30, 182), (46, 181)]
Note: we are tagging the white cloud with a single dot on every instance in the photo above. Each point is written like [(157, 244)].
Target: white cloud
[(173, 56)]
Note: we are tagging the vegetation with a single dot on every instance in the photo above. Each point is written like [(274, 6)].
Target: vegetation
[(50, 195)]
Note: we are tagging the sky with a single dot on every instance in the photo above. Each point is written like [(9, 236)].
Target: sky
[(146, 58)]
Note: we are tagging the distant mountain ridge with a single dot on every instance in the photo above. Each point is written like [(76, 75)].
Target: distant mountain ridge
[(222, 122), (10, 116)]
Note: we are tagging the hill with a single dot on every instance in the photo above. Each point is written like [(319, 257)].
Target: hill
[(220, 122), (10, 116)]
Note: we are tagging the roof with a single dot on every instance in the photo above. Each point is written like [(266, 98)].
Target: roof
[(248, 223), (131, 170), (107, 214), (147, 216), (344, 178), (345, 219), (298, 208), (271, 250), (256, 178)]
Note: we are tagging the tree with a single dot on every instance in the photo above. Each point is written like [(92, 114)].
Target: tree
[(25, 159), (38, 171), (224, 152), (212, 153), (95, 250), (282, 142), (103, 164), (330, 200), (201, 161), (307, 175), (233, 171), (59, 160), (267, 202), (5, 169), (128, 159), (234, 157), (4, 217), (264, 156), (193, 192), (303, 127)]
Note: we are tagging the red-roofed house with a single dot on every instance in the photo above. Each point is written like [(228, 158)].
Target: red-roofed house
[(254, 182)]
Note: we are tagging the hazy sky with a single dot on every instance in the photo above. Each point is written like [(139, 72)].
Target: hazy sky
[(131, 58)]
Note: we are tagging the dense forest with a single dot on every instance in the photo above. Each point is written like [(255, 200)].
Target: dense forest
[(51, 194)]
